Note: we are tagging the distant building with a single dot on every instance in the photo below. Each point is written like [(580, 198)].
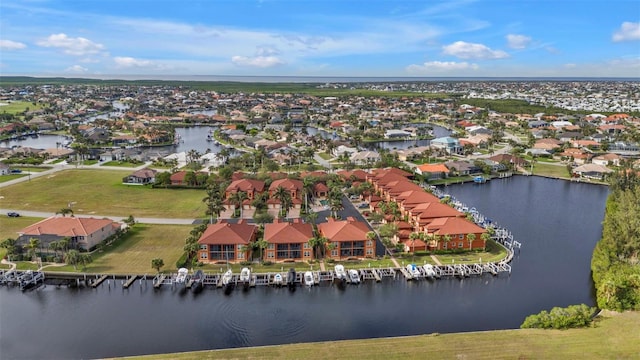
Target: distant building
[(83, 233)]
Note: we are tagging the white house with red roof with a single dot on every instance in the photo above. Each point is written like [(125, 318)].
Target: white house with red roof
[(83, 233)]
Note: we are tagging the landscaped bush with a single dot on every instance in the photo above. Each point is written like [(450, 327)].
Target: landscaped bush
[(267, 263), (330, 261), (561, 318), (182, 261)]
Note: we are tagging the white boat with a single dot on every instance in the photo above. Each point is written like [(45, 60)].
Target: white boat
[(277, 279), (245, 275), (414, 271), (227, 277), (340, 273), (429, 270), (308, 278), (354, 277), (182, 275)]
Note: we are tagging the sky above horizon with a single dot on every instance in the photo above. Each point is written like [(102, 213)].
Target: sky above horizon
[(465, 38)]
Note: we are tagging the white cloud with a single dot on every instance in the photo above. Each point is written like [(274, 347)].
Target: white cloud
[(11, 45), (465, 50), (129, 62), (518, 41), (257, 61), (73, 46), (76, 69), (628, 31), (440, 66)]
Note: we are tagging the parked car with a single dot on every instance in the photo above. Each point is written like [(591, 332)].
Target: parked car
[(16, 171), (363, 206), (13, 214)]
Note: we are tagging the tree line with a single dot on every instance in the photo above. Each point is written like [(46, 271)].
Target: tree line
[(615, 263)]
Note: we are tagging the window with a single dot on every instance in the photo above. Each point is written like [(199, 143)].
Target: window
[(203, 247), (270, 246), (307, 254), (221, 252), (461, 236), (239, 247), (270, 255), (369, 252), (460, 244), (240, 255), (444, 245), (334, 252), (369, 242), (306, 245), (203, 255)]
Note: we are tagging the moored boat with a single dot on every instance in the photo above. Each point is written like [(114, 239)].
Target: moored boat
[(414, 271), (291, 278), (429, 271), (182, 275), (277, 279), (354, 277), (340, 272), (227, 277), (308, 278)]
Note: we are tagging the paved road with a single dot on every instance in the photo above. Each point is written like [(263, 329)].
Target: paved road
[(43, 214)]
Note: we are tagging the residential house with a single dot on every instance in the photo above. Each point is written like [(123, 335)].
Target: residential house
[(607, 159), (288, 241), (349, 237), (509, 159), (462, 168), (433, 171), (83, 233), (591, 171), (365, 157), (423, 214), (141, 177), (225, 242), (250, 186), (4, 169), (448, 144)]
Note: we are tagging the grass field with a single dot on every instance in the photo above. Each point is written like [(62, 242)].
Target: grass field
[(18, 107), (134, 252), (613, 336), (101, 192), (124, 164), (10, 177), (558, 171)]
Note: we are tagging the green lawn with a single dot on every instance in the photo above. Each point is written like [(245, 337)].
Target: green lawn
[(124, 164), (494, 253), (17, 107), (10, 177), (558, 171), (325, 156), (34, 168), (133, 253), (613, 336), (101, 192)]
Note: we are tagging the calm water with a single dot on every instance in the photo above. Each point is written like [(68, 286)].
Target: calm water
[(557, 222), (40, 142)]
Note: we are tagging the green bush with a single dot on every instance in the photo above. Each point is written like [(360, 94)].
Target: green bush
[(182, 261), (330, 261), (561, 318), (267, 263), (245, 263)]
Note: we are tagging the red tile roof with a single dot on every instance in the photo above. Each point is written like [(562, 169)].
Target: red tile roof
[(226, 233), (345, 230), (453, 226), (286, 232), (67, 226), (287, 184), (246, 185)]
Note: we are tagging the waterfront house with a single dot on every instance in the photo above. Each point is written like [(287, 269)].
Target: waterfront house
[(448, 144), (288, 241), (349, 237), (249, 186), (433, 171), (226, 242), (462, 168), (591, 171), (83, 233), (607, 159), (423, 214), (457, 231), (141, 177)]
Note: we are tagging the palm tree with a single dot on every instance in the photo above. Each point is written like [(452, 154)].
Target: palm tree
[(485, 237), (318, 244), (260, 245), (471, 237), (285, 199), (85, 259), (308, 184), (213, 201), (157, 263), (413, 236), (65, 211), (72, 257), (10, 245), (33, 246), (237, 199), (446, 238)]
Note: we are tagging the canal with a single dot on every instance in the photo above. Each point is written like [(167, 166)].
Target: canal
[(557, 222)]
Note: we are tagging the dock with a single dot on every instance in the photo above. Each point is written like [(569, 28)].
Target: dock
[(129, 281), (406, 274), (159, 280), (99, 281)]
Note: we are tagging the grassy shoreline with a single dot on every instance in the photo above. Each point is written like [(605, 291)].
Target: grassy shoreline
[(613, 335)]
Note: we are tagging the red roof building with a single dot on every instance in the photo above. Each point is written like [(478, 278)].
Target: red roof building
[(288, 241), (83, 233), (226, 242), (349, 237)]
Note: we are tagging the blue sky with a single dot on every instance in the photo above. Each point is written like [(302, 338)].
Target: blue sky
[(526, 38)]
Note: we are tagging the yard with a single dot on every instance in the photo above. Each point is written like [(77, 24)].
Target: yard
[(556, 171), (101, 192), (133, 253), (18, 107)]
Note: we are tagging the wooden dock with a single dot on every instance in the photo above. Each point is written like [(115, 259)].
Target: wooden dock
[(129, 281), (159, 280), (406, 274), (99, 281), (376, 275)]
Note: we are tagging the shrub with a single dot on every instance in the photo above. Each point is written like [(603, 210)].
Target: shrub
[(182, 261), (267, 263), (331, 261), (561, 318), (245, 263)]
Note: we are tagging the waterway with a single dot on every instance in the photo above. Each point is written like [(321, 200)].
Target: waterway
[(558, 223)]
